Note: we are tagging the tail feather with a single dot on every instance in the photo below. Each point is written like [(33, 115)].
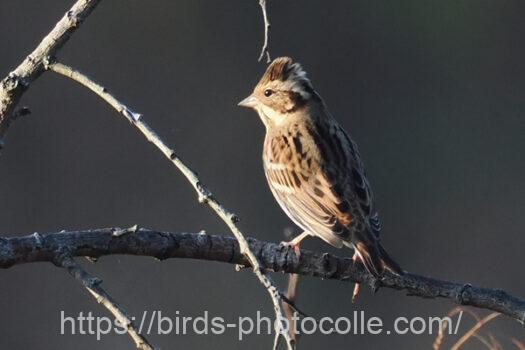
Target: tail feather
[(369, 256), (374, 257), (389, 263)]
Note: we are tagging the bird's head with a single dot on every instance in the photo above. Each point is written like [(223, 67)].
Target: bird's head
[(282, 91)]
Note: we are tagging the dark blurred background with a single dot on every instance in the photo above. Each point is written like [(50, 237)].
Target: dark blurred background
[(432, 91)]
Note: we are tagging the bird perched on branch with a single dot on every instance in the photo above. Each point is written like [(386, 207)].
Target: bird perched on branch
[(314, 169)]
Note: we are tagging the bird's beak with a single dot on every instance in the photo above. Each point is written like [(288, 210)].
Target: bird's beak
[(249, 102)]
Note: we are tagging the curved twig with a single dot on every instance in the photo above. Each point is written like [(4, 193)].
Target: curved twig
[(204, 194)]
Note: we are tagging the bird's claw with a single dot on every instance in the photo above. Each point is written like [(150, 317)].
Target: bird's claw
[(291, 245)]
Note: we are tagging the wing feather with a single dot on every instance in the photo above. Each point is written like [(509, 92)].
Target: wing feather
[(318, 179), (303, 206), (303, 189)]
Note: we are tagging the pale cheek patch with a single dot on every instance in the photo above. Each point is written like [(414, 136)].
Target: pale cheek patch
[(276, 117), (263, 116)]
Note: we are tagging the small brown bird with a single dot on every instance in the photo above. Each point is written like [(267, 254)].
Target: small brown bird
[(314, 169)]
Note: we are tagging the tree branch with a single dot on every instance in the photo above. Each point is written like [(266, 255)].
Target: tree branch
[(13, 86), (204, 194), (261, 256), (272, 257), (92, 284), (265, 48)]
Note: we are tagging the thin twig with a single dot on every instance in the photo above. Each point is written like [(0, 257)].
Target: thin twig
[(92, 284), (491, 345), (441, 333), (488, 344), (289, 309), (474, 330), (13, 86), (494, 344), (265, 49), (518, 344), (272, 257), (204, 194)]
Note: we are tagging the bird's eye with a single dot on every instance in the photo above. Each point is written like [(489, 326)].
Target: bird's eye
[(268, 92)]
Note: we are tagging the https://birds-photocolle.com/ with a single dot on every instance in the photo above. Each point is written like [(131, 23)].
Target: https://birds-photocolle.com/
[(314, 169)]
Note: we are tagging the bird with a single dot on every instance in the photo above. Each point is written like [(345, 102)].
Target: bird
[(314, 169)]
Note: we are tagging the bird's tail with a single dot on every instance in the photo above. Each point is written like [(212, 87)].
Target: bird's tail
[(373, 256), (388, 262)]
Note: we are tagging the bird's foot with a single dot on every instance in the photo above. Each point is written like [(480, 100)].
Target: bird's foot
[(296, 243), (292, 245)]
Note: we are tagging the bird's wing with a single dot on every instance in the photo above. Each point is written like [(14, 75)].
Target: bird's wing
[(358, 181), (307, 202), (365, 240), (318, 179), (331, 198)]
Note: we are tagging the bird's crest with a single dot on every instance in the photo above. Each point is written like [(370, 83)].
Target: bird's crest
[(292, 76)]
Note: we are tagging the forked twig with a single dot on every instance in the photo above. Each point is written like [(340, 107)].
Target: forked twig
[(13, 86)]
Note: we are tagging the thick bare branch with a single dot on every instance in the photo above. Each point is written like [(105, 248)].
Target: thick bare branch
[(204, 194), (13, 86), (92, 284), (273, 257)]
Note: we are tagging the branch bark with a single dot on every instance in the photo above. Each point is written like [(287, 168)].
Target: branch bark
[(13, 86), (272, 257)]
